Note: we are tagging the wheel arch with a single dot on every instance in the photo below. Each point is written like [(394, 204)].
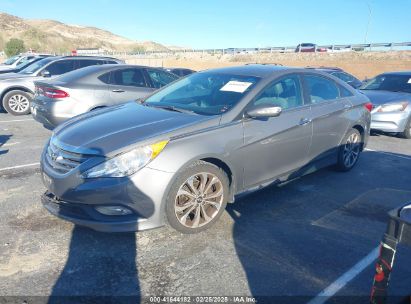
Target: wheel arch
[(15, 88)]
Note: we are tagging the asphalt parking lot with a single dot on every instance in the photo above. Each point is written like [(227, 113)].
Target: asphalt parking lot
[(291, 240)]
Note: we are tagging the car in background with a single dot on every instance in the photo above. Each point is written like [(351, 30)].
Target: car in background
[(309, 48), (24, 64), (14, 61), (340, 73), (186, 150), (180, 72), (390, 94), (17, 89), (92, 88)]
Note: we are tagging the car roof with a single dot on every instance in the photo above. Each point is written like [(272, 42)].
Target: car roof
[(326, 69), (257, 70), (405, 73)]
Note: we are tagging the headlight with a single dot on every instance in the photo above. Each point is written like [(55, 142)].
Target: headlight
[(127, 163), (393, 107)]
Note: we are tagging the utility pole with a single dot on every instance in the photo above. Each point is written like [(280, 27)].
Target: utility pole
[(368, 23)]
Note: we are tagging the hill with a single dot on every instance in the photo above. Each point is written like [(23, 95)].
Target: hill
[(54, 36)]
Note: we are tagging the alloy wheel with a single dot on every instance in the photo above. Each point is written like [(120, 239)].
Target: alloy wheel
[(18, 103), (199, 200), (351, 150)]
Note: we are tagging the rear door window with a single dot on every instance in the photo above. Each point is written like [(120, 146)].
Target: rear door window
[(60, 67), (321, 89), (128, 77)]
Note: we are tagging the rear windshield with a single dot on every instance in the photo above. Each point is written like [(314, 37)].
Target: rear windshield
[(393, 83)]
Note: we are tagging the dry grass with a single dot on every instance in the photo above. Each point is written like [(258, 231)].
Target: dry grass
[(362, 65)]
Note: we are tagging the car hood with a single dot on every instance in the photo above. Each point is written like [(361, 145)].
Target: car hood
[(378, 97), (15, 76), (111, 130)]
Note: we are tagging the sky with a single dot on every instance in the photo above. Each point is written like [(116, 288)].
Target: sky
[(231, 23)]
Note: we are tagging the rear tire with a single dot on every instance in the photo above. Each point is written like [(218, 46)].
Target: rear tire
[(407, 132), (197, 198), (349, 151), (17, 102)]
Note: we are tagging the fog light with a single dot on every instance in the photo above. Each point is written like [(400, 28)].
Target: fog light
[(113, 210)]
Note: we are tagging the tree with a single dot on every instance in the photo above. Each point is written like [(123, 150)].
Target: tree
[(14, 46)]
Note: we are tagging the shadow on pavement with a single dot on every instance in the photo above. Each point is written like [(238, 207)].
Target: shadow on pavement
[(294, 240), (3, 140)]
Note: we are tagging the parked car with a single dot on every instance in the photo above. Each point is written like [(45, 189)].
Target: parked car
[(17, 89), (185, 151), (340, 73), (390, 94), (309, 48), (180, 72), (24, 64), (14, 61), (93, 87)]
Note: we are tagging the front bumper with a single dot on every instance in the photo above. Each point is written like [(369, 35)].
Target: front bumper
[(75, 199), (389, 122)]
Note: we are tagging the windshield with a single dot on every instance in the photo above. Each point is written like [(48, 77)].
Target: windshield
[(394, 83), (11, 60), (204, 93), (32, 68)]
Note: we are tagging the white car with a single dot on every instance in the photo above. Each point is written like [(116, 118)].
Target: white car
[(14, 61)]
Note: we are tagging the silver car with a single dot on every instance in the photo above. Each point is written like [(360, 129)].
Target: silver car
[(182, 154), (390, 94), (92, 88), (12, 62), (17, 89)]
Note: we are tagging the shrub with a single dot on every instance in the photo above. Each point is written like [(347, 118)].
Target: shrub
[(14, 47)]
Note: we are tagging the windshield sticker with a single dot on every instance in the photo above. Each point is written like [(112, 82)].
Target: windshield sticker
[(409, 80), (236, 86)]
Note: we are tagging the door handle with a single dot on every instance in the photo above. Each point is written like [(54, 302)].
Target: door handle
[(347, 106), (305, 121), (118, 91)]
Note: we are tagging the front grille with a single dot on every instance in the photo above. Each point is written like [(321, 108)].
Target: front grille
[(63, 161)]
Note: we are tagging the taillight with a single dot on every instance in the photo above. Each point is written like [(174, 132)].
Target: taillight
[(368, 106), (51, 93)]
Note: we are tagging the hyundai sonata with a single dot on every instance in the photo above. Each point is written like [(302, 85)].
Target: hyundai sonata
[(183, 153)]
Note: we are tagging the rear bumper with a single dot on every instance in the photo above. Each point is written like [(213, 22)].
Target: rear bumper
[(51, 113), (389, 122)]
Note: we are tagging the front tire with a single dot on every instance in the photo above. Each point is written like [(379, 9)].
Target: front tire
[(17, 102), (197, 198), (407, 132), (349, 151)]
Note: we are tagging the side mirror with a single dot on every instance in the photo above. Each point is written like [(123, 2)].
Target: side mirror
[(45, 73), (264, 111)]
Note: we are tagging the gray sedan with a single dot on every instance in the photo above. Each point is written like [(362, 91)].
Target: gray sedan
[(92, 88), (17, 89), (182, 154)]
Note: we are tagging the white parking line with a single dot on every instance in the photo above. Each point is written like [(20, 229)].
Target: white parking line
[(16, 120), (21, 166), (343, 280), (389, 153), (9, 144)]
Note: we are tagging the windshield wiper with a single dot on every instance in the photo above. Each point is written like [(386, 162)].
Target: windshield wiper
[(170, 108)]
